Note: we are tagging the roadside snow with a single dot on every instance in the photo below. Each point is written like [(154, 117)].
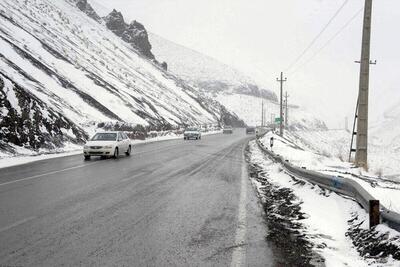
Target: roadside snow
[(328, 214), (326, 159), (27, 156)]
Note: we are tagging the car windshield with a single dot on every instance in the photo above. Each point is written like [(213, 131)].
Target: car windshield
[(192, 129), (104, 137)]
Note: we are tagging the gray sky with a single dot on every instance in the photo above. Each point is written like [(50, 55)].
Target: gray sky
[(263, 37)]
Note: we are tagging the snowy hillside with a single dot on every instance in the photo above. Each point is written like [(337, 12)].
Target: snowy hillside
[(249, 108), (228, 86), (205, 72), (383, 149), (62, 71)]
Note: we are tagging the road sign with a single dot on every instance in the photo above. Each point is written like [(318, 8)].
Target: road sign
[(277, 119)]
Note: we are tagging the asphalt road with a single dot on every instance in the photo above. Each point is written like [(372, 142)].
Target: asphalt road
[(172, 203)]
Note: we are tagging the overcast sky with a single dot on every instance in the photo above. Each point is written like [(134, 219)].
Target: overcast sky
[(263, 37)]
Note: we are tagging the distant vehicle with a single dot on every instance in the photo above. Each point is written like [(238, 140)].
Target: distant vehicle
[(250, 130), (107, 144), (227, 130), (261, 130), (192, 133)]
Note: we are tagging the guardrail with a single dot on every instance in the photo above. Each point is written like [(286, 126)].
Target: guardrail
[(341, 185)]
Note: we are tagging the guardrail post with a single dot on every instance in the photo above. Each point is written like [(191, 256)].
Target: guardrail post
[(374, 213)]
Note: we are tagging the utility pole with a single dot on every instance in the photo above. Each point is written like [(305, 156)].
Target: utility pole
[(265, 119), (281, 81), (286, 110), (262, 113), (361, 158)]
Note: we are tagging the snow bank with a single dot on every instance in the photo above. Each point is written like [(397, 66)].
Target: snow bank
[(327, 215), (324, 160)]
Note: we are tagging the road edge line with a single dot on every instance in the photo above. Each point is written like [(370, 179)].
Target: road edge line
[(239, 252)]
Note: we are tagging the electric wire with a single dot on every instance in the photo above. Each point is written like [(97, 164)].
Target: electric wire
[(318, 35), (329, 41)]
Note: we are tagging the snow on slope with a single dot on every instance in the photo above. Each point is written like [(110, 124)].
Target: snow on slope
[(249, 108), (193, 65), (76, 67), (207, 73), (228, 86), (384, 143), (317, 150), (383, 147)]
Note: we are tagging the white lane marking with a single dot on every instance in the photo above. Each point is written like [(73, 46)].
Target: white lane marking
[(133, 176), (239, 252), (16, 224), (47, 173)]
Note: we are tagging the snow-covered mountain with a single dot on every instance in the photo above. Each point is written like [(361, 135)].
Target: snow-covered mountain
[(228, 86), (205, 72), (64, 70)]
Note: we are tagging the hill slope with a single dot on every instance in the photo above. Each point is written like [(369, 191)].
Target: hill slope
[(64, 71), (237, 92), (207, 73)]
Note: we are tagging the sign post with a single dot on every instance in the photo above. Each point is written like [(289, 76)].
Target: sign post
[(271, 142)]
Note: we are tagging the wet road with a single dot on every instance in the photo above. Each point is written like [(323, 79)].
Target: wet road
[(172, 203)]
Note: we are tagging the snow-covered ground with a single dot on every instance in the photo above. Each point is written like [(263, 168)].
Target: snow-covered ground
[(327, 215), (325, 155), (383, 147)]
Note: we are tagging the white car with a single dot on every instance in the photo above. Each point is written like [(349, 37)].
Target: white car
[(107, 144), (192, 133), (227, 130)]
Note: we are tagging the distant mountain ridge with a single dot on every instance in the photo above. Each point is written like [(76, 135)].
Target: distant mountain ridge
[(207, 73), (234, 90)]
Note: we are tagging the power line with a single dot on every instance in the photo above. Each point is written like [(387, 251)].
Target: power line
[(318, 35), (330, 40)]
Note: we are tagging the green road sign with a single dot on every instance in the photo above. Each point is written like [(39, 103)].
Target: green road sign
[(277, 119)]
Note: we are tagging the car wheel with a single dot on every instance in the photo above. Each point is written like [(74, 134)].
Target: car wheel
[(87, 157), (116, 153), (128, 152)]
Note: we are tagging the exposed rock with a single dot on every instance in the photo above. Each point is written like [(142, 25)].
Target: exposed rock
[(133, 33), (216, 87), (164, 65), (27, 121), (231, 119), (85, 7)]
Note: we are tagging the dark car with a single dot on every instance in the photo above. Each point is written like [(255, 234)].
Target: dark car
[(250, 130), (227, 130)]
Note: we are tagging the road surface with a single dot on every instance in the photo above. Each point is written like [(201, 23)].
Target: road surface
[(172, 203)]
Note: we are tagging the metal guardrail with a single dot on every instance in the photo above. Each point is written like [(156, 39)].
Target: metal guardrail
[(341, 185)]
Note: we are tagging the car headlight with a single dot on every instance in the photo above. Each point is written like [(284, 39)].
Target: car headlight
[(85, 147), (107, 146)]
